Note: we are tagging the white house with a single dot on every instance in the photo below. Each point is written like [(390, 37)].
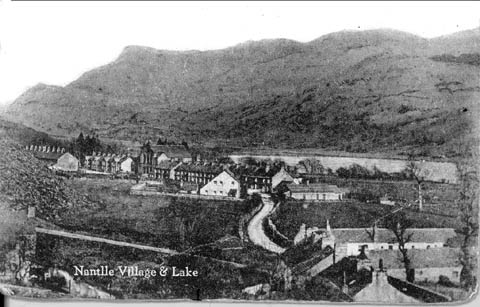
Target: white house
[(67, 163), (352, 240), (126, 165), (224, 184), (315, 192)]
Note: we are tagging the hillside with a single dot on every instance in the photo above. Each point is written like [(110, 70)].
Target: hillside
[(26, 181), (369, 91)]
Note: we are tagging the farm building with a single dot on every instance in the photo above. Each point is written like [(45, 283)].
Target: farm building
[(315, 192), (225, 184), (353, 240), (427, 264), (67, 163)]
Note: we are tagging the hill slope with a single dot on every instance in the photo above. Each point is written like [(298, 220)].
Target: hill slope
[(364, 91), (26, 181)]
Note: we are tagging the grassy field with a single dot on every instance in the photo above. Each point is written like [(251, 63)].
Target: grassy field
[(160, 221), (433, 193), (292, 214)]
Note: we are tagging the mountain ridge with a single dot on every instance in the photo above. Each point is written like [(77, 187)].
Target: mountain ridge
[(388, 85)]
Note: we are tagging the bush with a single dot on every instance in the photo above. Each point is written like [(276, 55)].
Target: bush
[(445, 281)]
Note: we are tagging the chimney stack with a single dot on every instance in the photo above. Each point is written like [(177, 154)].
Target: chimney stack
[(345, 286)]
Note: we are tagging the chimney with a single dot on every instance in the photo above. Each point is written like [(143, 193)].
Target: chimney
[(345, 286)]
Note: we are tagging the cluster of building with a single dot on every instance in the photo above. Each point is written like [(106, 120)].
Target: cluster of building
[(226, 180), (56, 157), (429, 250), (175, 163)]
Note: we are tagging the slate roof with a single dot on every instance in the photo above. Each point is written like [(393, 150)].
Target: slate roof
[(314, 188), (201, 167), (166, 164), (254, 171), (360, 235), (381, 291), (442, 257), (229, 172), (50, 156)]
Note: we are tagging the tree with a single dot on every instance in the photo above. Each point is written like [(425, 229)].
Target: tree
[(416, 172), (313, 166), (13, 231), (468, 222), (399, 225), (279, 276)]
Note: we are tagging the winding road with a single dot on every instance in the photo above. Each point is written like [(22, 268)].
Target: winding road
[(255, 228)]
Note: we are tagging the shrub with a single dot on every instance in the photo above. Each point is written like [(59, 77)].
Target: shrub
[(445, 281)]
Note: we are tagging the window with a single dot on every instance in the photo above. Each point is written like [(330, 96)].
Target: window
[(390, 247), (215, 182), (233, 182), (428, 246), (221, 182), (413, 246), (455, 274)]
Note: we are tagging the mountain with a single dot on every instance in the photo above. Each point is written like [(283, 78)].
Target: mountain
[(358, 91)]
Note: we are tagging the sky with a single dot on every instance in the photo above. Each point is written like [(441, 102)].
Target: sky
[(54, 43)]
